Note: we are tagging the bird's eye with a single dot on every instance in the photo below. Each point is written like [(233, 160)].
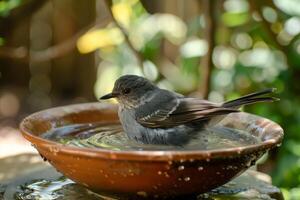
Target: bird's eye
[(126, 91)]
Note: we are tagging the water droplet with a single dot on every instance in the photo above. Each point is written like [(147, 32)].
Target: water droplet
[(159, 172), (180, 168), (54, 150), (180, 179), (187, 179), (200, 168)]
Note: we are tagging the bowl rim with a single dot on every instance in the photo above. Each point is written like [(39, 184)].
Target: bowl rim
[(155, 155)]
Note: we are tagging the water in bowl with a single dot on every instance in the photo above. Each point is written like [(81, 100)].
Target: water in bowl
[(112, 137)]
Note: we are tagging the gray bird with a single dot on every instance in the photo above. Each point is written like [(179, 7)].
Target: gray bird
[(152, 115)]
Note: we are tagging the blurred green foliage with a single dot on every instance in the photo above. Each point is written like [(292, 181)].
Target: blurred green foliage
[(1, 41), (7, 5)]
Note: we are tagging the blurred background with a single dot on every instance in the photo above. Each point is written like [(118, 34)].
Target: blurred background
[(59, 52)]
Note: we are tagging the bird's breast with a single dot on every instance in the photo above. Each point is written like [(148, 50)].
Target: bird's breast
[(127, 118)]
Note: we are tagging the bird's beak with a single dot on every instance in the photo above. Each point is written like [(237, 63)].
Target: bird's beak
[(108, 96)]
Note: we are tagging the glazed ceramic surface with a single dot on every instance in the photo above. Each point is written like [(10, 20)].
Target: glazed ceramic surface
[(146, 173)]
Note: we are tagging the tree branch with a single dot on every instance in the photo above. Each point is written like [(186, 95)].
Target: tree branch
[(206, 64), (137, 54), (25, 55), (18, 14), (255, 7)]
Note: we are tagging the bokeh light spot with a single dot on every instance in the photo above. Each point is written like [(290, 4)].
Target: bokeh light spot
[(269, 14), (241, 40), (193, 48), (9, 104), (100, 38), (292, 26), (224, 57)]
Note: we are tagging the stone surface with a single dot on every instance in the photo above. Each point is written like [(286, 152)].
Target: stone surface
[(19, 170), (12, 142), (250, 185)]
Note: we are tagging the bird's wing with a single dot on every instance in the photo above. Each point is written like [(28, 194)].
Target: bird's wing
[(168, 110)]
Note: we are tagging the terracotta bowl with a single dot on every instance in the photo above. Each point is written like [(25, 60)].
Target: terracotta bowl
[(146, 173)]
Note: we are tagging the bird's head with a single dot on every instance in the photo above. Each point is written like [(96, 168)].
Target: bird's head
[(130, 90)]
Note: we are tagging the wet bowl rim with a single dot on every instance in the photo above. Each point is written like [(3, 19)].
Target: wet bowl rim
[(155, 155)]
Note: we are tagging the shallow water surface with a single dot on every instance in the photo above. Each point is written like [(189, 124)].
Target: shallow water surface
[(112, 137)]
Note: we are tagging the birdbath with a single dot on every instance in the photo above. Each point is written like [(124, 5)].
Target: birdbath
[(146, 173)]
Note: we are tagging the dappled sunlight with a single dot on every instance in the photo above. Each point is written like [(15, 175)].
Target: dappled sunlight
[(224, 57), (9, 105), (10, 166), (242, 41), (222, 79), (194, 47), (258, 57), (289, 6), (106, 79), (172, 28), (122, 13), (270, 14), (292, 26), (100, 38), (12, 143), (150, 70)]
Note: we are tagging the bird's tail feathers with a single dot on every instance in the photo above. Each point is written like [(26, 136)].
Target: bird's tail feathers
[(251, 98)]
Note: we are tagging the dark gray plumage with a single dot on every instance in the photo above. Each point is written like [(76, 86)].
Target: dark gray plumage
[(152, 115)]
